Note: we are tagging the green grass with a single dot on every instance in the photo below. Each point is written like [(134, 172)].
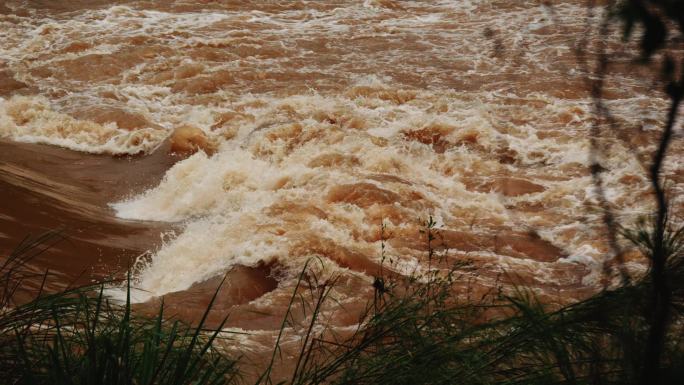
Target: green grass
[(79, 336)]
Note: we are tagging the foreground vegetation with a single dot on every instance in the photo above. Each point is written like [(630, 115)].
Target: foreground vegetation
[(78, 336), (416, 331)]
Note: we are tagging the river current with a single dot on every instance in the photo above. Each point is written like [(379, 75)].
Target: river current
[(328, 128)]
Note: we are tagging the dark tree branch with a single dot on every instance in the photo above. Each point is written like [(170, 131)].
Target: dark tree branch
[(659, 308)]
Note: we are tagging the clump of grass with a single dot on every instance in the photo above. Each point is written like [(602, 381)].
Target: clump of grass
[(79, 336), (418, 331)]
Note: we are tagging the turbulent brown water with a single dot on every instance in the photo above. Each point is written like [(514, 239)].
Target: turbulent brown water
[(328, 119)]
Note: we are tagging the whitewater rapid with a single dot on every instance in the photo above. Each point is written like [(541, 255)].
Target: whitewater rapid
[(332, 119)]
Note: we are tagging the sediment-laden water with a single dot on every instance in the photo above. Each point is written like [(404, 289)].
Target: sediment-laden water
[(321, 121)]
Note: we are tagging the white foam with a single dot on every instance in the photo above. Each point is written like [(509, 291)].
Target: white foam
[(32, 120)]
